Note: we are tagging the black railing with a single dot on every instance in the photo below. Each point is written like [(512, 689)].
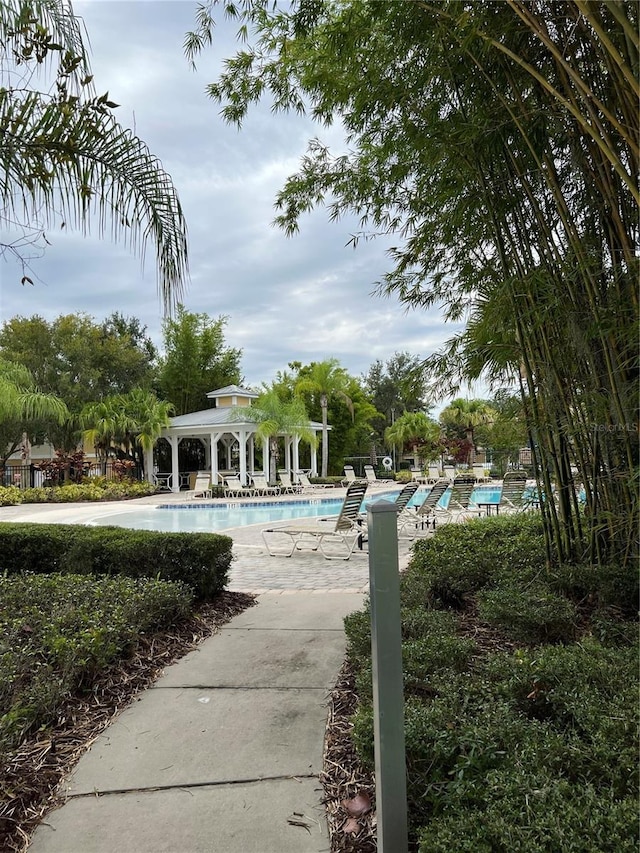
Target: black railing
[(30, 476)]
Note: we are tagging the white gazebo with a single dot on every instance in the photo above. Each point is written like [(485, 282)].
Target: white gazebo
[(223, 428)]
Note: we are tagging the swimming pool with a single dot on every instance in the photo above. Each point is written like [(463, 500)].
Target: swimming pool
[(215, 517)]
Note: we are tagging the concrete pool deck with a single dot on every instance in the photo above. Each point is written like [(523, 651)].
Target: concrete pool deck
[(224, 751)]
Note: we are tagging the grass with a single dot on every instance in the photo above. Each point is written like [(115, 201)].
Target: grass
[(521, 695)]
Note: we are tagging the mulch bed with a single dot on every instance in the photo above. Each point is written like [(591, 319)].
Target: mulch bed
[(30, 776), (349, 790)]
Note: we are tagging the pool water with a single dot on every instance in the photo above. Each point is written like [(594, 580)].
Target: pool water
[(211, 518)]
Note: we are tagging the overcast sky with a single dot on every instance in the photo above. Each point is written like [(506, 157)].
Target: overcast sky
[(304, 298)]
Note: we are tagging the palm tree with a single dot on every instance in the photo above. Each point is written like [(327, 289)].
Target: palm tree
[(276, 417), (415, 430), (130, 421), (326, 379), (64, 156), (23, 406), (468, 414)]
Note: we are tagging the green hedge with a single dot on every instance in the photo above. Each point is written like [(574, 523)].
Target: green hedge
[(99, 489), (201, 560)]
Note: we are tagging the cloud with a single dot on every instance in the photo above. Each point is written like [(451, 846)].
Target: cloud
[(303, 298)]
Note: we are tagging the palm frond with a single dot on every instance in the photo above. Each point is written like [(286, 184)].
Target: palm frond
[(77, 159)]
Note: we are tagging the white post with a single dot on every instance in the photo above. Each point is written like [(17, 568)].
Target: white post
[(296, 454), (266, 459), (213, 458), (175, 472), (242, 441)]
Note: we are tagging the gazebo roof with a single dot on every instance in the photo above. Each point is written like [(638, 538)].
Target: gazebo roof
[(231, 391), (217, 417)]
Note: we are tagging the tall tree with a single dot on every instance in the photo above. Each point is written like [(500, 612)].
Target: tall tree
[(64, 159), (24, 409), (416, 431), (275, 418), (128, 424), (398, 385), (467, 415), (195, 360), (325, 379), (499, 141)]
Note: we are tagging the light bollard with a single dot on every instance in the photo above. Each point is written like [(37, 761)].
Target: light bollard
[(388, 696)]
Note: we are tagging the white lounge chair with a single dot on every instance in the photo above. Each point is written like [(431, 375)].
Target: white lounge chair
[(480, 474), (308, 486), (513, 495), (349, 476), (335, 537), (433, 474), (370, 474), (201, 486), (261, 487), (233, 488), (413, 519), (460, 506), (449, 472), (286, 486)]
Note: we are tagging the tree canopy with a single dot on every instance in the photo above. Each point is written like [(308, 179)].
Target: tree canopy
[(65, 159), (499, 143), (196, 360), (79, 360)]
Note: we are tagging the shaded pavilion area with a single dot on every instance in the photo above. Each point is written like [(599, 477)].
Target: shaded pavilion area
[(229, 441)]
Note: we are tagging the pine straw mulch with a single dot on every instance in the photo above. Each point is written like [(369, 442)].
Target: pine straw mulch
[(30, 775), (344, 779)]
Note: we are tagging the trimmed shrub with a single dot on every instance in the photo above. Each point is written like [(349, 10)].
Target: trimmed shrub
[(531, 614), (532, 750), (10, 496), (607, 586), (529, 812), (461, 559), (201, 560), (94, 489), (57, 631)]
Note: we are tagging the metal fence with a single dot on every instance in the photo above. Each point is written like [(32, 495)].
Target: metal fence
[(30, 476)]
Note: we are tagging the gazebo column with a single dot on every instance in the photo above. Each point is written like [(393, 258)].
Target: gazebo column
[(241, 437), (295, 465), (175, 468), (287, 453), (266, 459), (214, 438), (251, 451), (242, 441)]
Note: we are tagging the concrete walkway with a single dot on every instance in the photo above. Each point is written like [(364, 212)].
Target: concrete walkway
[(222, 754)]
